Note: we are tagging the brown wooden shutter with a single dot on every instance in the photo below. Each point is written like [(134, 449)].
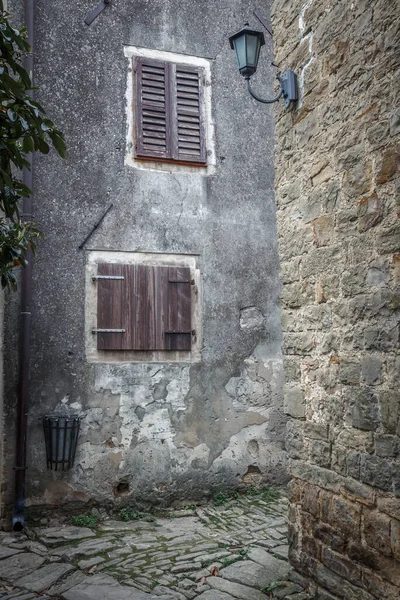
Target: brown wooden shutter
[(136, 316), (179, 334), (187, 119), (152, 109), (110, 307), (151, 304)]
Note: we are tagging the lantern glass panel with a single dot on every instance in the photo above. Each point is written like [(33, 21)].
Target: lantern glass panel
[(253, 49), (240, 47)]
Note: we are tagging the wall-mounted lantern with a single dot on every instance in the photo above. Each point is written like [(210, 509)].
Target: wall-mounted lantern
[(247, 44)]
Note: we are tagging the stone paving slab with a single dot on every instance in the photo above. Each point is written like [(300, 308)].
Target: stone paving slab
[(214, 595), (103, 587), (272, 567), (6, 552), (45, 577), (236, 551), (52, 536), (237, 590), (19, 565)]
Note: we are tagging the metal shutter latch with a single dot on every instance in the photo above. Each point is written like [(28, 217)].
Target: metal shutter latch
[(95, 277), (94, 330)]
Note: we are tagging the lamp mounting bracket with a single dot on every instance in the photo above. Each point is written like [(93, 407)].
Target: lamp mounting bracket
[(288, 89), (93, 14)]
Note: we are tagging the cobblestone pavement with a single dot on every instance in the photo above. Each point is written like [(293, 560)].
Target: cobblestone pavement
[(234, 551)]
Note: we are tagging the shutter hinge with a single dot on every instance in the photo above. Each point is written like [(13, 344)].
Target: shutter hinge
[(95, 277), (178, 331), (191, 281), (94, 330)]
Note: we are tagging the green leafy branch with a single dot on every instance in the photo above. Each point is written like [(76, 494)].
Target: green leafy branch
[(24, 128)]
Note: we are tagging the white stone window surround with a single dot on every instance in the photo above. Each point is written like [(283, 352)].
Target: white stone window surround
[(93, 355), (152, 165)]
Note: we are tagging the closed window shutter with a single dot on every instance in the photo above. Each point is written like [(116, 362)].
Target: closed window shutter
[(187, 105), (137, 307), (179, 335), (169, 112), (152, 109), (111, 307), (152, 305)]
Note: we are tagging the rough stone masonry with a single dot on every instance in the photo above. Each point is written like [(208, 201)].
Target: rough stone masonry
[(338, 200)]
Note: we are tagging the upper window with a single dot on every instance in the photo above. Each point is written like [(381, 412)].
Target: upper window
[(169, 112)]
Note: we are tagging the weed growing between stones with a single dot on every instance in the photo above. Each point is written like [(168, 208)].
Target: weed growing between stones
[(128, 514), (266, 493), (270, 588), (229, 560), (221, 498), (85, 521)]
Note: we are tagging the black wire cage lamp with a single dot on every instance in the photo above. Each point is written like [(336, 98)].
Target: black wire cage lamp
[(61, 437), (247, 44)]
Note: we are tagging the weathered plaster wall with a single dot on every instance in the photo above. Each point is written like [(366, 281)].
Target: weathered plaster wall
[(167, 430), (337, 187)]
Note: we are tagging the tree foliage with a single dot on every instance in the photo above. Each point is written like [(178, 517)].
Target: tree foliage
[(24, 128)]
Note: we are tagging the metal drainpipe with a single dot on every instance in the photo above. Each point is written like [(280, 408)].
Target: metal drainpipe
[(25, 327)]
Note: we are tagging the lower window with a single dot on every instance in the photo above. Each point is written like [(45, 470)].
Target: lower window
[(141, 309)]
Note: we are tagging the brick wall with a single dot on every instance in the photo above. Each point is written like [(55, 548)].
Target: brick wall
[(338, 209)]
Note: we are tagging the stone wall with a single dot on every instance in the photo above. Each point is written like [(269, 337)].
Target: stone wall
[(338, 201)]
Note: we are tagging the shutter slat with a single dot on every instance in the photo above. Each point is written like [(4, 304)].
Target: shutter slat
[(154, 84), (187, 118), (188, 105), (149, 70), (154, 127), (154, 104), (189, 143), (185, 95), (154, 134), (187, 127), (188, 135), (154, 114), (154, 91), (184, 89), (190, 153), (182, 75), (158, 146)]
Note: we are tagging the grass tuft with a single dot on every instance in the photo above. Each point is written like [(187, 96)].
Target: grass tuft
[(84, 521)]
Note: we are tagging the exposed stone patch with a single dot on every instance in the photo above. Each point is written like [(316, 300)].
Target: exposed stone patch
[(251, 318)]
